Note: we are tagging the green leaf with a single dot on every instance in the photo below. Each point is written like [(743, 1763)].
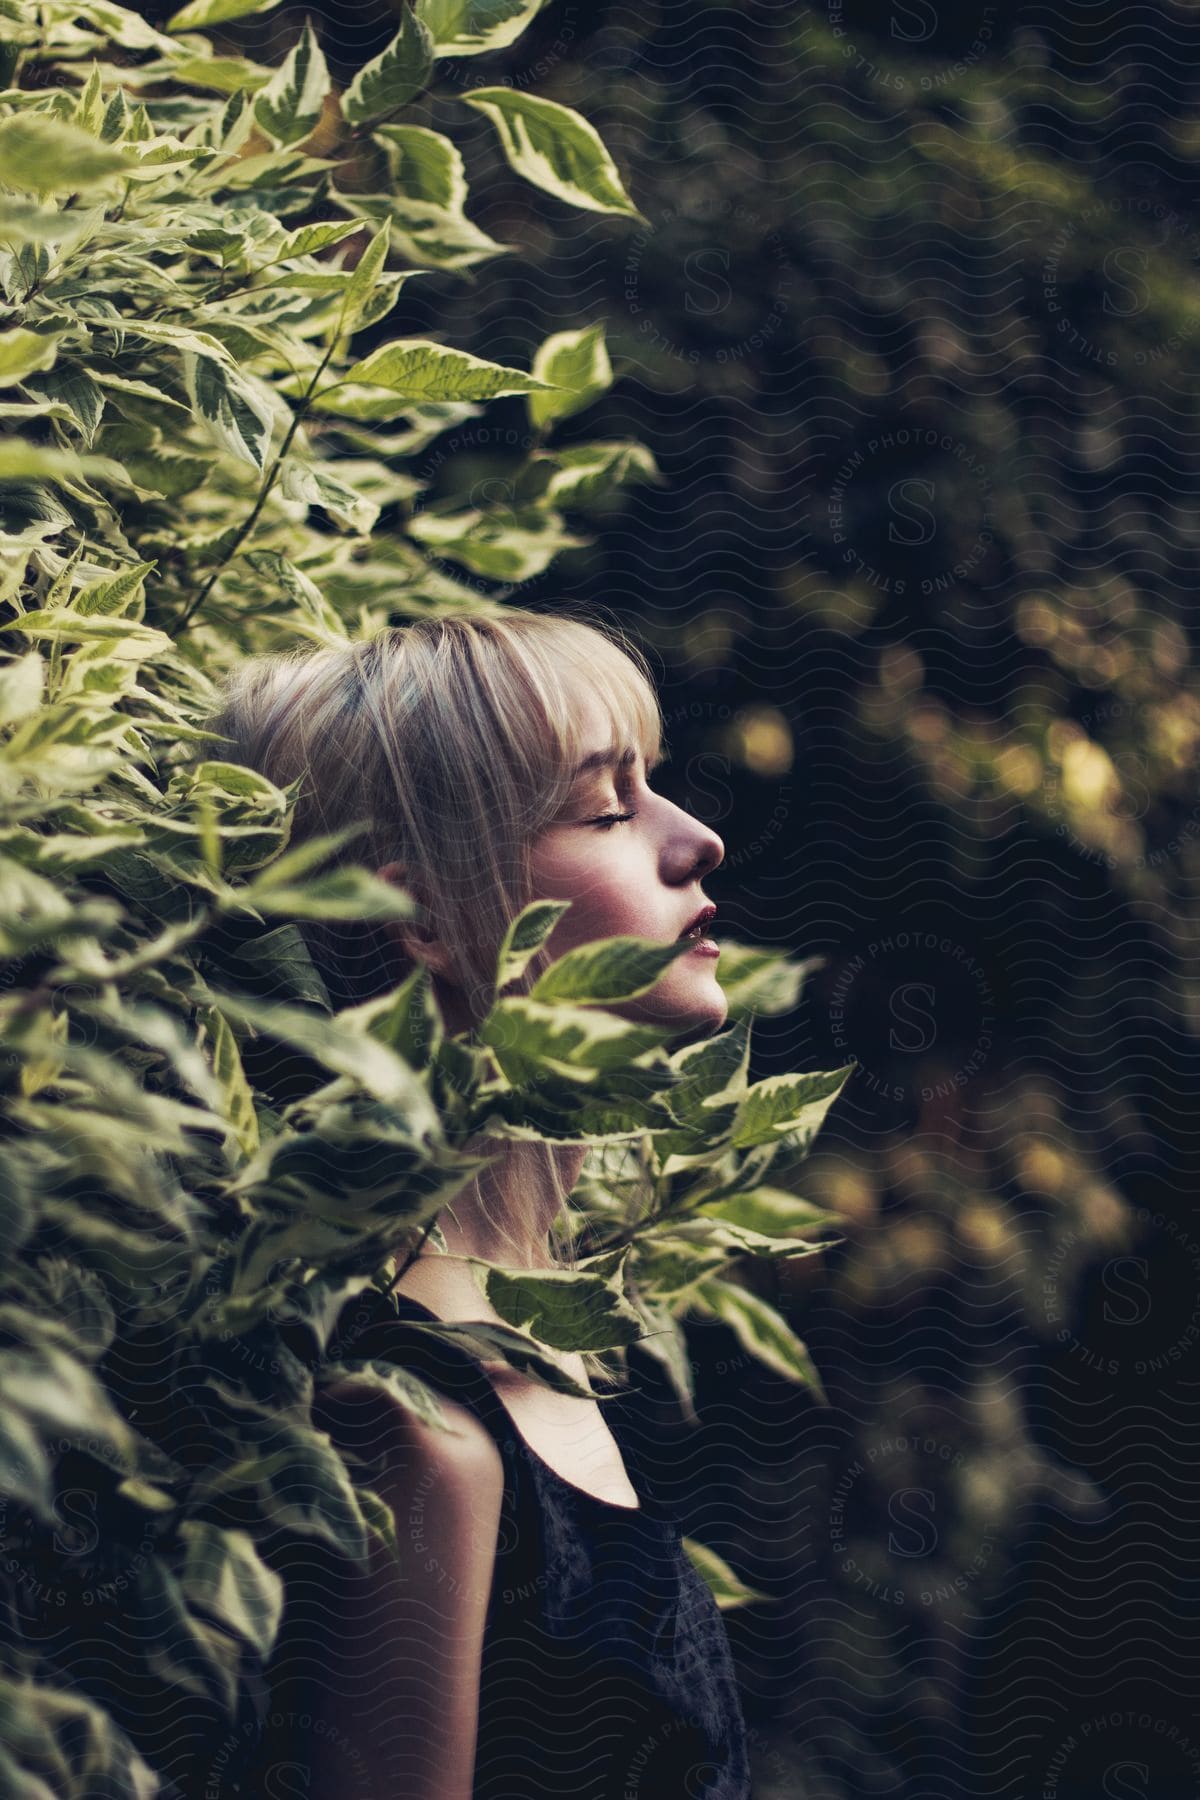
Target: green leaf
[(23, 352), (555, 148), (124, 637), (392, 1381), (421, 370), (323, 621), (424, 166), (469, 27), (153, 1028), (24, 223), (431, 236), (316, 484), (345, 1051), (581, 473), (761, 981), (20, 461), (362, 281), (294, 864), (221, 74), (726, 1587), (117, 595), (341, 894), (138, 1266), (167, 156), (282, 961), (611, 969), (232, 410), (33, 911), (711, 1073), (289, 108), (123, 27), (21, 683), (56, 1393), (200, 14), (772, 1211), (237, 1099), (787, 1107), (297, 1482), (501, 1343), (184, 1653), (25, 1472), (738, 1240), (270, 175), (311, 238), (525, 937), (665, 1341), (406, 1020), (224, 1577), (503, 545), (39, 154), (319, 1305), (72, 386), (381, 1520), (393, 77), (524, 1033), (761, 1331), (143, 1495), (564, 1308), (124, 384), (673, 1269), (570, 1103), (59, 1746), (575, 362)]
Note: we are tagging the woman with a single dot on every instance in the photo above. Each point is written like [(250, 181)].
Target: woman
[(544, 1632)]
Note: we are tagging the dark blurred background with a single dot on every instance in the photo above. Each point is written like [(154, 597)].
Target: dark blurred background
[(914, 334)]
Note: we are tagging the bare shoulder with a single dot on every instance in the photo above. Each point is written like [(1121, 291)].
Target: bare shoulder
[(402, 1685), (567, 1432), (364, 1418), (354, 1408)]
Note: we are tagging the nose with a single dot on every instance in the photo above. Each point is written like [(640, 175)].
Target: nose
[(699, 850)]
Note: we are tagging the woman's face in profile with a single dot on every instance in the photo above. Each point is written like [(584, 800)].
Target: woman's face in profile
[(638, 876)]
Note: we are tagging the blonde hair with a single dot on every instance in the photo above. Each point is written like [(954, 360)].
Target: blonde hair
[(454, 740)]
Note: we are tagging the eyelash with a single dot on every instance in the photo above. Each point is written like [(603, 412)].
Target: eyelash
[(606, 821)]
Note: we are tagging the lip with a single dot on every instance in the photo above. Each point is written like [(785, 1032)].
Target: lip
[(704, 917), (705, 947)]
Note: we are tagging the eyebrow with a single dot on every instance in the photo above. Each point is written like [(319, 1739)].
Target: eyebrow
[(611, 759)]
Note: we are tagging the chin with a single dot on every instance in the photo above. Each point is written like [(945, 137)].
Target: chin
[(701, 1019), (695, 1009)]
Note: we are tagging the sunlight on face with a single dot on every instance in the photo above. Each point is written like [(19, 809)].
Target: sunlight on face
[(631, 862)]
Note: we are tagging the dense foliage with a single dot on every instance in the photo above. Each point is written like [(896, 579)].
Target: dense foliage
[(209, 433)]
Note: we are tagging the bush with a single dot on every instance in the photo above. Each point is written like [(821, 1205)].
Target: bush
[(204, 458)]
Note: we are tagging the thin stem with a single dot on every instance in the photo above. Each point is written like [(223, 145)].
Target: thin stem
[(268, 483), (412, 1256)]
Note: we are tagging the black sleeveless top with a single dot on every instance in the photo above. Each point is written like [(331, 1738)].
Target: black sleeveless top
[(606, 1671)]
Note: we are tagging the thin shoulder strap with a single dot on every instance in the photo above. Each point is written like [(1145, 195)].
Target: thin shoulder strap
[(389, 1336)]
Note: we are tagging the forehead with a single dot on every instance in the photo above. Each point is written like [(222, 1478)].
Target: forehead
[(607, 727)]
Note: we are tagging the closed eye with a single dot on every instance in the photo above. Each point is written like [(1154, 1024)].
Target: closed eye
[(608, 819)]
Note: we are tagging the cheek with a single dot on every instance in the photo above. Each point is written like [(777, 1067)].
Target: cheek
[(601, 906), (604, 894)]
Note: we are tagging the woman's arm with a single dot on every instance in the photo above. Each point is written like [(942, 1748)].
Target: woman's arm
[(396, 1705)]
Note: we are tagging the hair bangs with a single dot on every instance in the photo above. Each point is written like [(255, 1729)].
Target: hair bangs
[(615, 676)]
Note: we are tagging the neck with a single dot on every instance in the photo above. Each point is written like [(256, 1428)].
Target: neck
[(506, 1214)]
